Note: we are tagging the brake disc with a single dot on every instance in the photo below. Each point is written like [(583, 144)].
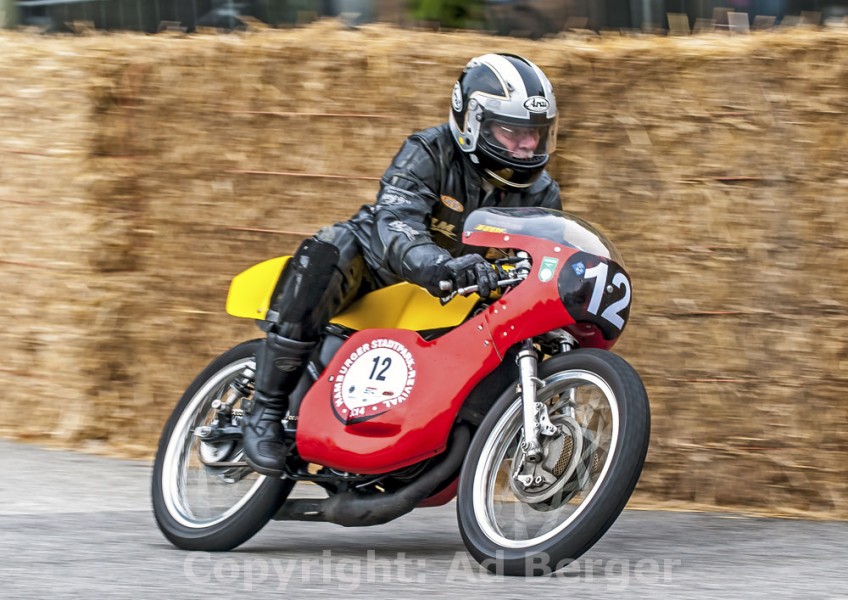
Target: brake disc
[(537, 482)]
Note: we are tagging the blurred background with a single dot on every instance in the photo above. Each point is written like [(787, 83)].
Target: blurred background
[(525, 18), (139, 173)]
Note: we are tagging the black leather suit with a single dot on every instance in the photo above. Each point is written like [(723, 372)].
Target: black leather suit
[(408, 234), (425, 196)]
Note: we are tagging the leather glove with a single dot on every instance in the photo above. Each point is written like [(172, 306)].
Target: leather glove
[(463, 271)]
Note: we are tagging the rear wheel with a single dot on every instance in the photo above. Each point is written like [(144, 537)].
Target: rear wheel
[(205, 497), (523, 518)]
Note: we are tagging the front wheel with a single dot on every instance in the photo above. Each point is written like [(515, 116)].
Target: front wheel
[(523, 518), (205, 497)]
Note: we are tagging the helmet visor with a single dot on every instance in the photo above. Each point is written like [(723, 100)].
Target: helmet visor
[(519, 141)]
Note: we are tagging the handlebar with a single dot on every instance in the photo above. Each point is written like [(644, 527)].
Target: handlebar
[(471, 289), (467, 291), (510, 277), (447, 286)]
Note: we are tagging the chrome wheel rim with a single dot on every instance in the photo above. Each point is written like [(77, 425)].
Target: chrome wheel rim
[(501, 514), (196, 494)]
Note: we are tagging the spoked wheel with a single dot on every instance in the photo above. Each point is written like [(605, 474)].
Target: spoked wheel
[(205, 497), (519, 517)]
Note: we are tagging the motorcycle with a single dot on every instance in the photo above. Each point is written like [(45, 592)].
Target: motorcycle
[(513, 404)]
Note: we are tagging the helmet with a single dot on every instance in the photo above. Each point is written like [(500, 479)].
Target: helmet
[(503, 117)]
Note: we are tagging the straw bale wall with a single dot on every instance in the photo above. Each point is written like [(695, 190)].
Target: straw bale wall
[(138, 174)]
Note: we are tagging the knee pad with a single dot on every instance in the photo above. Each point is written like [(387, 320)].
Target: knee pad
[(302, 285), (317, 254)]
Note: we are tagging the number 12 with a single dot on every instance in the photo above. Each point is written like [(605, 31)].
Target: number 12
[(599, 273), (381, 376)]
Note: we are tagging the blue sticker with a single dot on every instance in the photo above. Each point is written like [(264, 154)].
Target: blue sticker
[(579, 268)]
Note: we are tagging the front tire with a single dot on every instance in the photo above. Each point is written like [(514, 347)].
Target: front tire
[(599, 406), (197, 505)]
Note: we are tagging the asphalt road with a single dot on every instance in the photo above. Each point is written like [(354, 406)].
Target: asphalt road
[(78, 526)]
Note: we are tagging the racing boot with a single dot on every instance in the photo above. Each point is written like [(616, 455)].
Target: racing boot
[(279, 365), (301, 306)]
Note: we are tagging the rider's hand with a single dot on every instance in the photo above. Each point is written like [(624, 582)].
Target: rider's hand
[(465, 271)]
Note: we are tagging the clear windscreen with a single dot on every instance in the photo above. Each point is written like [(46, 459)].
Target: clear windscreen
[(545, 223)]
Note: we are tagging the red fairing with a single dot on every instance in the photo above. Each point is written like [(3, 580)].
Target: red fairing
[(336, 427), (389, 398)]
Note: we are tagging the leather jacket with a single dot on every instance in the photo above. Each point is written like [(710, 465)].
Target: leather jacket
[(425, 196)]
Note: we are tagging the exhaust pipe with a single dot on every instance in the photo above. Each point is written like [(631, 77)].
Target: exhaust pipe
[(355, 510)]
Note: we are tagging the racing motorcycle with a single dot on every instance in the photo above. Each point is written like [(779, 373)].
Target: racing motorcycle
[(513, 404)]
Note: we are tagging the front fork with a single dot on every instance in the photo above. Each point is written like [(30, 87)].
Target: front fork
[(535, 414)]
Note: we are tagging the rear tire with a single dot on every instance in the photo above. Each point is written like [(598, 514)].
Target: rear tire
[(600, 408), (203, 507)]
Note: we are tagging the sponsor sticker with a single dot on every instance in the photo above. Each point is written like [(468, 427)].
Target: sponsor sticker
[(579, 268), (376, 377), (453, 204), (489, 229), (547, 269)]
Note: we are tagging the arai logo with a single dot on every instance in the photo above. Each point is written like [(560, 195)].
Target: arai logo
[(537, 104)]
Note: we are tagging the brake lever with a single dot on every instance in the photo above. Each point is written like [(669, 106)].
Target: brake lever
[(446, 286), (471, 289)]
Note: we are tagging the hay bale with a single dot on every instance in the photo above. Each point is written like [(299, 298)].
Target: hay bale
[(141, 173)]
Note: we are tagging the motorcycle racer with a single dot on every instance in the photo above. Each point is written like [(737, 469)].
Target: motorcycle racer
[(492, 152)]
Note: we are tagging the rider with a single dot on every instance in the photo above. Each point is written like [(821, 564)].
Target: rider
[(492, 152)]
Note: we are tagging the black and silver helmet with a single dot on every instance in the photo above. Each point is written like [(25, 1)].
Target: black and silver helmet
[(504, 117)]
